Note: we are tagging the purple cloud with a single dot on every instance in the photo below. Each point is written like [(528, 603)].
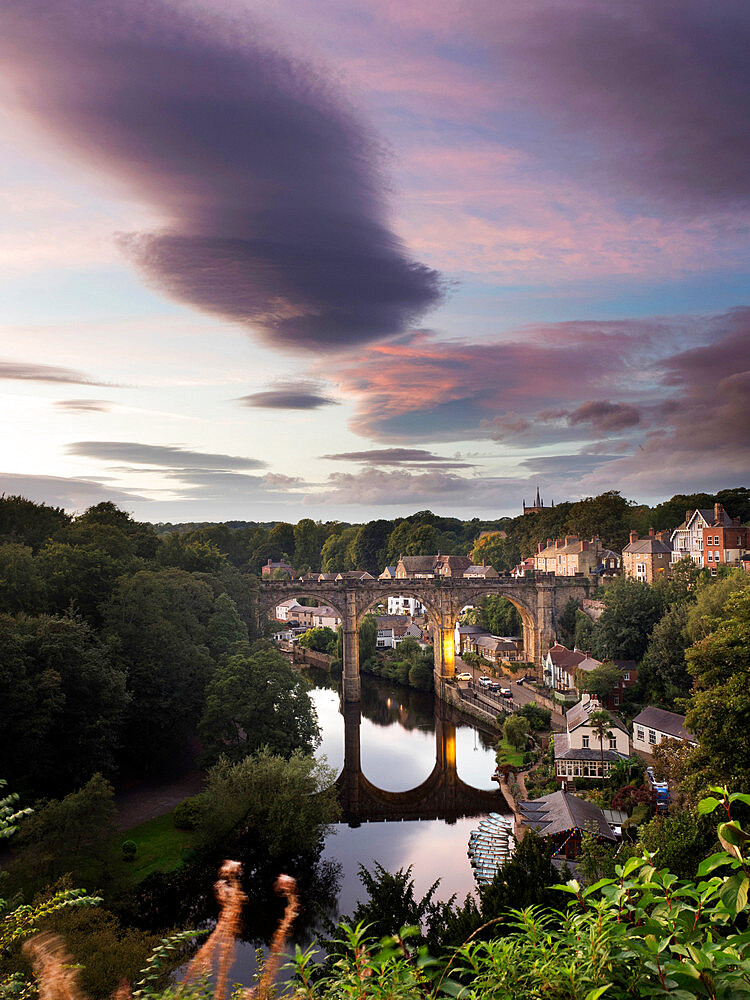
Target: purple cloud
[(270, 189), (604, 416), (164, 456), (289, 396), (22, 371)]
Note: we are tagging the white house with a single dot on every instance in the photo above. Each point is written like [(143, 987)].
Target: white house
[(283, 609), (559, 668), (653, 725), (687, 539), (579, 753), (401, 605)]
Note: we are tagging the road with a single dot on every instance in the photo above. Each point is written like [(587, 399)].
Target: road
[(521, 694)]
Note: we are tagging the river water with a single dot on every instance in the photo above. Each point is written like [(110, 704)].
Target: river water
[(398, 741)]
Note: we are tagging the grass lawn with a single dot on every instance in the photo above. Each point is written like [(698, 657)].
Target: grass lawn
[(161, 848), (508, 754)]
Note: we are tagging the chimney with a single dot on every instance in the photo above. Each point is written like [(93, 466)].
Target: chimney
[(651, 533), (633, 537), (718, 513), (584, 546), (539, 547), (570, 538), (549, 542), (559, 543), (687, 514), (664, 536)]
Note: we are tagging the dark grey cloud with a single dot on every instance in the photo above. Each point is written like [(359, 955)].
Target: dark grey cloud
[(162, 456), (83, 405), (605, 416), (23, 372), (271, 187), (289, 396), (399, 456)]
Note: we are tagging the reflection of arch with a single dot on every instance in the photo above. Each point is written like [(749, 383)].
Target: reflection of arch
[(442, 795)]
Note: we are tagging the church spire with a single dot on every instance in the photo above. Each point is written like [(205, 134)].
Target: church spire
[(538, 501)]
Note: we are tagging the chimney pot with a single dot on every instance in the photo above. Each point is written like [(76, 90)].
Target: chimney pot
[(687, 514), (651, 533), (633, 536), (718, 513)]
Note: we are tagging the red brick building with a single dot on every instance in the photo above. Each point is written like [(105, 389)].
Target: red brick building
[(724, 541)]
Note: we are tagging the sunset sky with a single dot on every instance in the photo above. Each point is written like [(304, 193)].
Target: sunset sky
[(357, 258)]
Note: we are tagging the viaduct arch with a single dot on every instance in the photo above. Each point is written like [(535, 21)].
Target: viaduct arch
[(539, 599)]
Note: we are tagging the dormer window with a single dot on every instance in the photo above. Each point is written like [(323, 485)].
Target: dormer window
[(586, 740)]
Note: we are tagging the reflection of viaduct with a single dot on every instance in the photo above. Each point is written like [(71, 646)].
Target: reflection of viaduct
[(442, 795), (539, 602)]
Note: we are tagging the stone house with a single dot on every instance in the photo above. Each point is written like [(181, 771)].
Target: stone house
[(578, 753), (427, 567), (482, 572), (648, 559), (653, 725), (282, 610), (568, 556), (496, 648), (321, 617)]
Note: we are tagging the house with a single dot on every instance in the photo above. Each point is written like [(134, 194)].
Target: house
[(464, 634), (321, 617), (579, 752), (564, 818), (482, 572), (283, 609), (627, 679), (326, 577), (277, 570), (427, 567), (559, 668), (393, 629), (496, 648), (354, 574), (568, 556), (400, 605), (722, 545), (389, 573), (653, 725), (689, 538), (648, 559), (523, 569)]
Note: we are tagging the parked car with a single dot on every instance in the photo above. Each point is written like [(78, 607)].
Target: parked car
[(464, 676), (493, 686), (505, 692), (485, 681)]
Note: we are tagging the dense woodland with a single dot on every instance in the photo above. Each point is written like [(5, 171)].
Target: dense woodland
[(123, 645)]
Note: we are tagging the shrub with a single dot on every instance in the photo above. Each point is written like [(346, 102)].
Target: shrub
[(129, 850), (188, 814)]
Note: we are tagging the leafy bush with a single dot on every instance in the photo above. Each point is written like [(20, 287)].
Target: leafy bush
[(188, 814), (129, 850)]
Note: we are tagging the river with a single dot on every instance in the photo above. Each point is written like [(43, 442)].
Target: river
[(398, 741)]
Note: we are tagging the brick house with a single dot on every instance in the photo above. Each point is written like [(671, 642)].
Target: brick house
[(616, 697), (648, 559), (723, 545), (283, 569), (689, 538)]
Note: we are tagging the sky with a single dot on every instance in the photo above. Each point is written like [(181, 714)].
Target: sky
[(348, 259)]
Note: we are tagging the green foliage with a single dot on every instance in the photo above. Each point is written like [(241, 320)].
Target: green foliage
[(391, 903), (539, 718), (321, 639), (129, 850), (516, 730), (21, 583), (369, 546), (500, 553), (663, 675), (595, 859), (188, 814), (253, 701), (61, 702), (566, 623), (679, 841), (600, 681), (284, 803), (368, 638), (306, 545), (30, 523), (497, 615), (631, 609)]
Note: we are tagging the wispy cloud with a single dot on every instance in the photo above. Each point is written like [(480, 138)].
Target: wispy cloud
[(22, 371), (399, 456), (160, 456), (300, 395), (83, 405)]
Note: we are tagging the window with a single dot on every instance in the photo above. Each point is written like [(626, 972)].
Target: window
[(640, 735), (613, 743), (626, 675), (710, 556), (585, 742), (652, 737), (716, 557), (617, 699)]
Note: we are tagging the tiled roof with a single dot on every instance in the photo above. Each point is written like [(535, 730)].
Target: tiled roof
[(647, 546), (562, 812), (563, 657), (592, 753), (579, 714), (665, 722), (480, 571)]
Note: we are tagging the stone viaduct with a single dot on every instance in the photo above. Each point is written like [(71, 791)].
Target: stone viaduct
[(539, 600)]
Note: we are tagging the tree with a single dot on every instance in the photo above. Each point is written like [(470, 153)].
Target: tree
[(321, 639), (28, 523), (539, 718), (195, 555), (225, 627), (391, 902), (369, 546), (606, 515), (80, 577), (21, 583), (500, 616), (62, 703), (255, 701), (566, 623), (663, 675), (585, 629), (600, 723), (516, 731), (595, 859), (631, 609), (337, 551), (281, 538), (599, 682), (157, 622), (306, 547), (286, 802), (711, 599), (494, 550), (681, 841), (719, 706), (368, 636)]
